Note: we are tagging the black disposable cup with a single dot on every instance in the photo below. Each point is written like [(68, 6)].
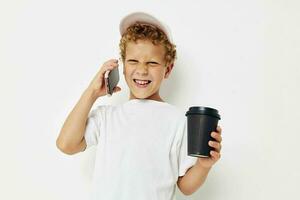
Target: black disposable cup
[(201, 121)]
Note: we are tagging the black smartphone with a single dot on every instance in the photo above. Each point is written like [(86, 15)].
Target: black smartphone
[(111, 80)]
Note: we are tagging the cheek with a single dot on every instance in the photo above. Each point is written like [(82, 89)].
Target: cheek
[(159, 75), (127, 72)]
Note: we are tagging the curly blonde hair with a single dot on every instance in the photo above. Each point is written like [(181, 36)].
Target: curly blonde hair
[(146, 31)]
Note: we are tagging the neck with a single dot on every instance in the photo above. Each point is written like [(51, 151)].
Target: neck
[(154, 97)]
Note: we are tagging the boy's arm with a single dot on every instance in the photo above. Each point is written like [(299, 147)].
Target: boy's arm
[(193, 179), (71, 138), (197, 174)]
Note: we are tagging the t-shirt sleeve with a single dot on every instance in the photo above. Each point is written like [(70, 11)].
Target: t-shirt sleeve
[(184, 160), (93, 126)]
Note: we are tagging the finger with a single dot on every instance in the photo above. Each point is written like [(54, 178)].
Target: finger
[(215, 145), (215, 155), (110, 65), (108, 68), (113, 60), (113, 64), (216, 136), (116, 89), (219, 129)]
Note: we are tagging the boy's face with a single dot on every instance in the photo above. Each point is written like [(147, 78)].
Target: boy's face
[(145, 61)]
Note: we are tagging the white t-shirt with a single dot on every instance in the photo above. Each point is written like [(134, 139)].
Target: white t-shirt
[(141, 150)]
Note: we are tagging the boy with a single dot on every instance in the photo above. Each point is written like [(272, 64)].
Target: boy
[(142, 143)]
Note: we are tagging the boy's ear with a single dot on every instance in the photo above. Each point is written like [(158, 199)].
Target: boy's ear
[(168, 70)]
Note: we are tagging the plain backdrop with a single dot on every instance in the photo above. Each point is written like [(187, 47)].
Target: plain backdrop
[(241, 57)]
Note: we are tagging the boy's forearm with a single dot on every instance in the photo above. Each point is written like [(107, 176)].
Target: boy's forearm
[(73, 128), (193, 179)]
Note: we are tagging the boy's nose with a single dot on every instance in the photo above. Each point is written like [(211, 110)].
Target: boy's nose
[(142, 69)]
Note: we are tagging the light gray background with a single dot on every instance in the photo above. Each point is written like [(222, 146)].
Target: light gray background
[(241, 57)]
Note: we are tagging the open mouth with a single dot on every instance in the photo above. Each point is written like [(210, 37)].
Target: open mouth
[(142, 83)]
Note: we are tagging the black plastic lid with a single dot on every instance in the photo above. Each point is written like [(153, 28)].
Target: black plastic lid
[(201, 110)]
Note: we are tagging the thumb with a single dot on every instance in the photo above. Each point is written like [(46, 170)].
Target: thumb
[(117, 89)]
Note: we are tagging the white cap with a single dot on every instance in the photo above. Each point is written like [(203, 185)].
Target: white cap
[(142, 17)]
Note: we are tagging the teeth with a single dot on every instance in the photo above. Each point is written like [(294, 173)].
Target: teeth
[(141, 82)]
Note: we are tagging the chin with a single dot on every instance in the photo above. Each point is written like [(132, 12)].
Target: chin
[(141, 96)]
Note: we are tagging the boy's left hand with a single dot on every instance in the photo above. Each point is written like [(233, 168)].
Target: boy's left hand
[(216, 153)]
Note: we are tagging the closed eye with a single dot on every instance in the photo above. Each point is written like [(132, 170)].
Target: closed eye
[(132, 61), (153, 63)]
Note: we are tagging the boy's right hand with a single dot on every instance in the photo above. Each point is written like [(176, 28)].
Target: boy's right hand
[(97, 86)]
